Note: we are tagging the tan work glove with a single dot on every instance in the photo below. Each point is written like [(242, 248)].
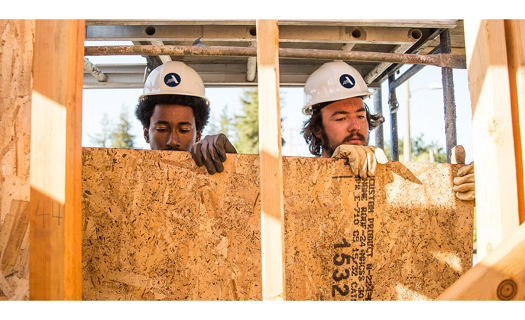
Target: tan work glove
[(464, 183), (362, 159), (211, 151)]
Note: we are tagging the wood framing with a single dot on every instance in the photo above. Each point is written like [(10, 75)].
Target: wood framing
[(272, 214), (56, 161), (515, 41), (496, 183), (499, 276), (16, 61), (221, 255)]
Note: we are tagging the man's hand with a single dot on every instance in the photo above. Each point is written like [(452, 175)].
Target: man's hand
[(362, 159), (464, 183), (211, 151)]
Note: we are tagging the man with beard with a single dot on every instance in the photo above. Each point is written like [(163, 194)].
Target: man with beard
[(173, 111), (340, 123)]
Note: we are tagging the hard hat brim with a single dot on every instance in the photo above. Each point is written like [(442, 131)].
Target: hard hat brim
[(307, 110), (141, 98)]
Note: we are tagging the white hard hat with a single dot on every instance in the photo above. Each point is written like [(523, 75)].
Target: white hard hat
[(331, 82), (174, 77)]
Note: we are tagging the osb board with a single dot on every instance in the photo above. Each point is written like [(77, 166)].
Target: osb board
[(157, 227), (401, 235), (16, 60)]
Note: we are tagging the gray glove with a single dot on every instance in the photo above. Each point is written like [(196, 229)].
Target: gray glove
[(211, 152), (464, 183), (363, 160)]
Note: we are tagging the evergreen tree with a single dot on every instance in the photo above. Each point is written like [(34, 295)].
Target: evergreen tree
[(222, 125), (103, 139), (247, 124), (225, 122), (121, 136)]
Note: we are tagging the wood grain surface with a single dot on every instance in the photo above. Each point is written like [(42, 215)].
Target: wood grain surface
[(156, 227)]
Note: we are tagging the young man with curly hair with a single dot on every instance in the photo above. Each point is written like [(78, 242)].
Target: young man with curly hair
[(173, 111)]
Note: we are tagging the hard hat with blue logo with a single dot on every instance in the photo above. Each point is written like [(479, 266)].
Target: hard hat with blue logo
[(333, 81), (174, 78)]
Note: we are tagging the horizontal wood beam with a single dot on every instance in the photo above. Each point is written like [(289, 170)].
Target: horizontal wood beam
[(499, 276)]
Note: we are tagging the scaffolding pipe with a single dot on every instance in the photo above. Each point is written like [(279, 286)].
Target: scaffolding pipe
[(394, 105), (251, 66), (440, 60), (91, 68), (411, 71), (378, 109), (448, 97)]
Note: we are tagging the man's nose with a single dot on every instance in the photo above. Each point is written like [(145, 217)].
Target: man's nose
[(353, 124), (174, 140)]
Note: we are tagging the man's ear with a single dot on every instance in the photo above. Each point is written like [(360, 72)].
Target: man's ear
[(146, 135), (317, 133), (198, 136)]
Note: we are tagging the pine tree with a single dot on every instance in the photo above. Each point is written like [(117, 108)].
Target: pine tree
[(121, 136), (225, 122), (222, 125), (103, 139), (247, 124)]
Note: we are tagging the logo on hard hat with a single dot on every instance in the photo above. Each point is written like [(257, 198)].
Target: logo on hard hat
[(347, 81), (172, 79)]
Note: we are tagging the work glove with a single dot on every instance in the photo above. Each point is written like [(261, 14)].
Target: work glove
[(363, 160), (464, 183), (211, 152)]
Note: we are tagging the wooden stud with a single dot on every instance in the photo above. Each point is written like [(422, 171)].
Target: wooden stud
[(515, 40), (499, 276), (56, 161), (496, 186), (272, 220)]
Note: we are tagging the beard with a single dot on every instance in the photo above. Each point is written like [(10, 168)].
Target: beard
[(329, 146)]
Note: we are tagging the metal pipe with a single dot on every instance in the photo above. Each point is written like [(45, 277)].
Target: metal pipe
[(407, 147), (162, 58), (448, 97), (394, 105), (411, 71), (91, 68), (251, 66), (440, 60), (381, 67), (378, 109)]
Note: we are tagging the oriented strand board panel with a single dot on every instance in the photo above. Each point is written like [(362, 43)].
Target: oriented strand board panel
[(156, 227), (16, 61)]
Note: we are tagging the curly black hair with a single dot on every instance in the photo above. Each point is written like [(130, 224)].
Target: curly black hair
[(315, 124), (201, 109)]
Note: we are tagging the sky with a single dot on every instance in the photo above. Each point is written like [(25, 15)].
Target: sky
[(426, 108)]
